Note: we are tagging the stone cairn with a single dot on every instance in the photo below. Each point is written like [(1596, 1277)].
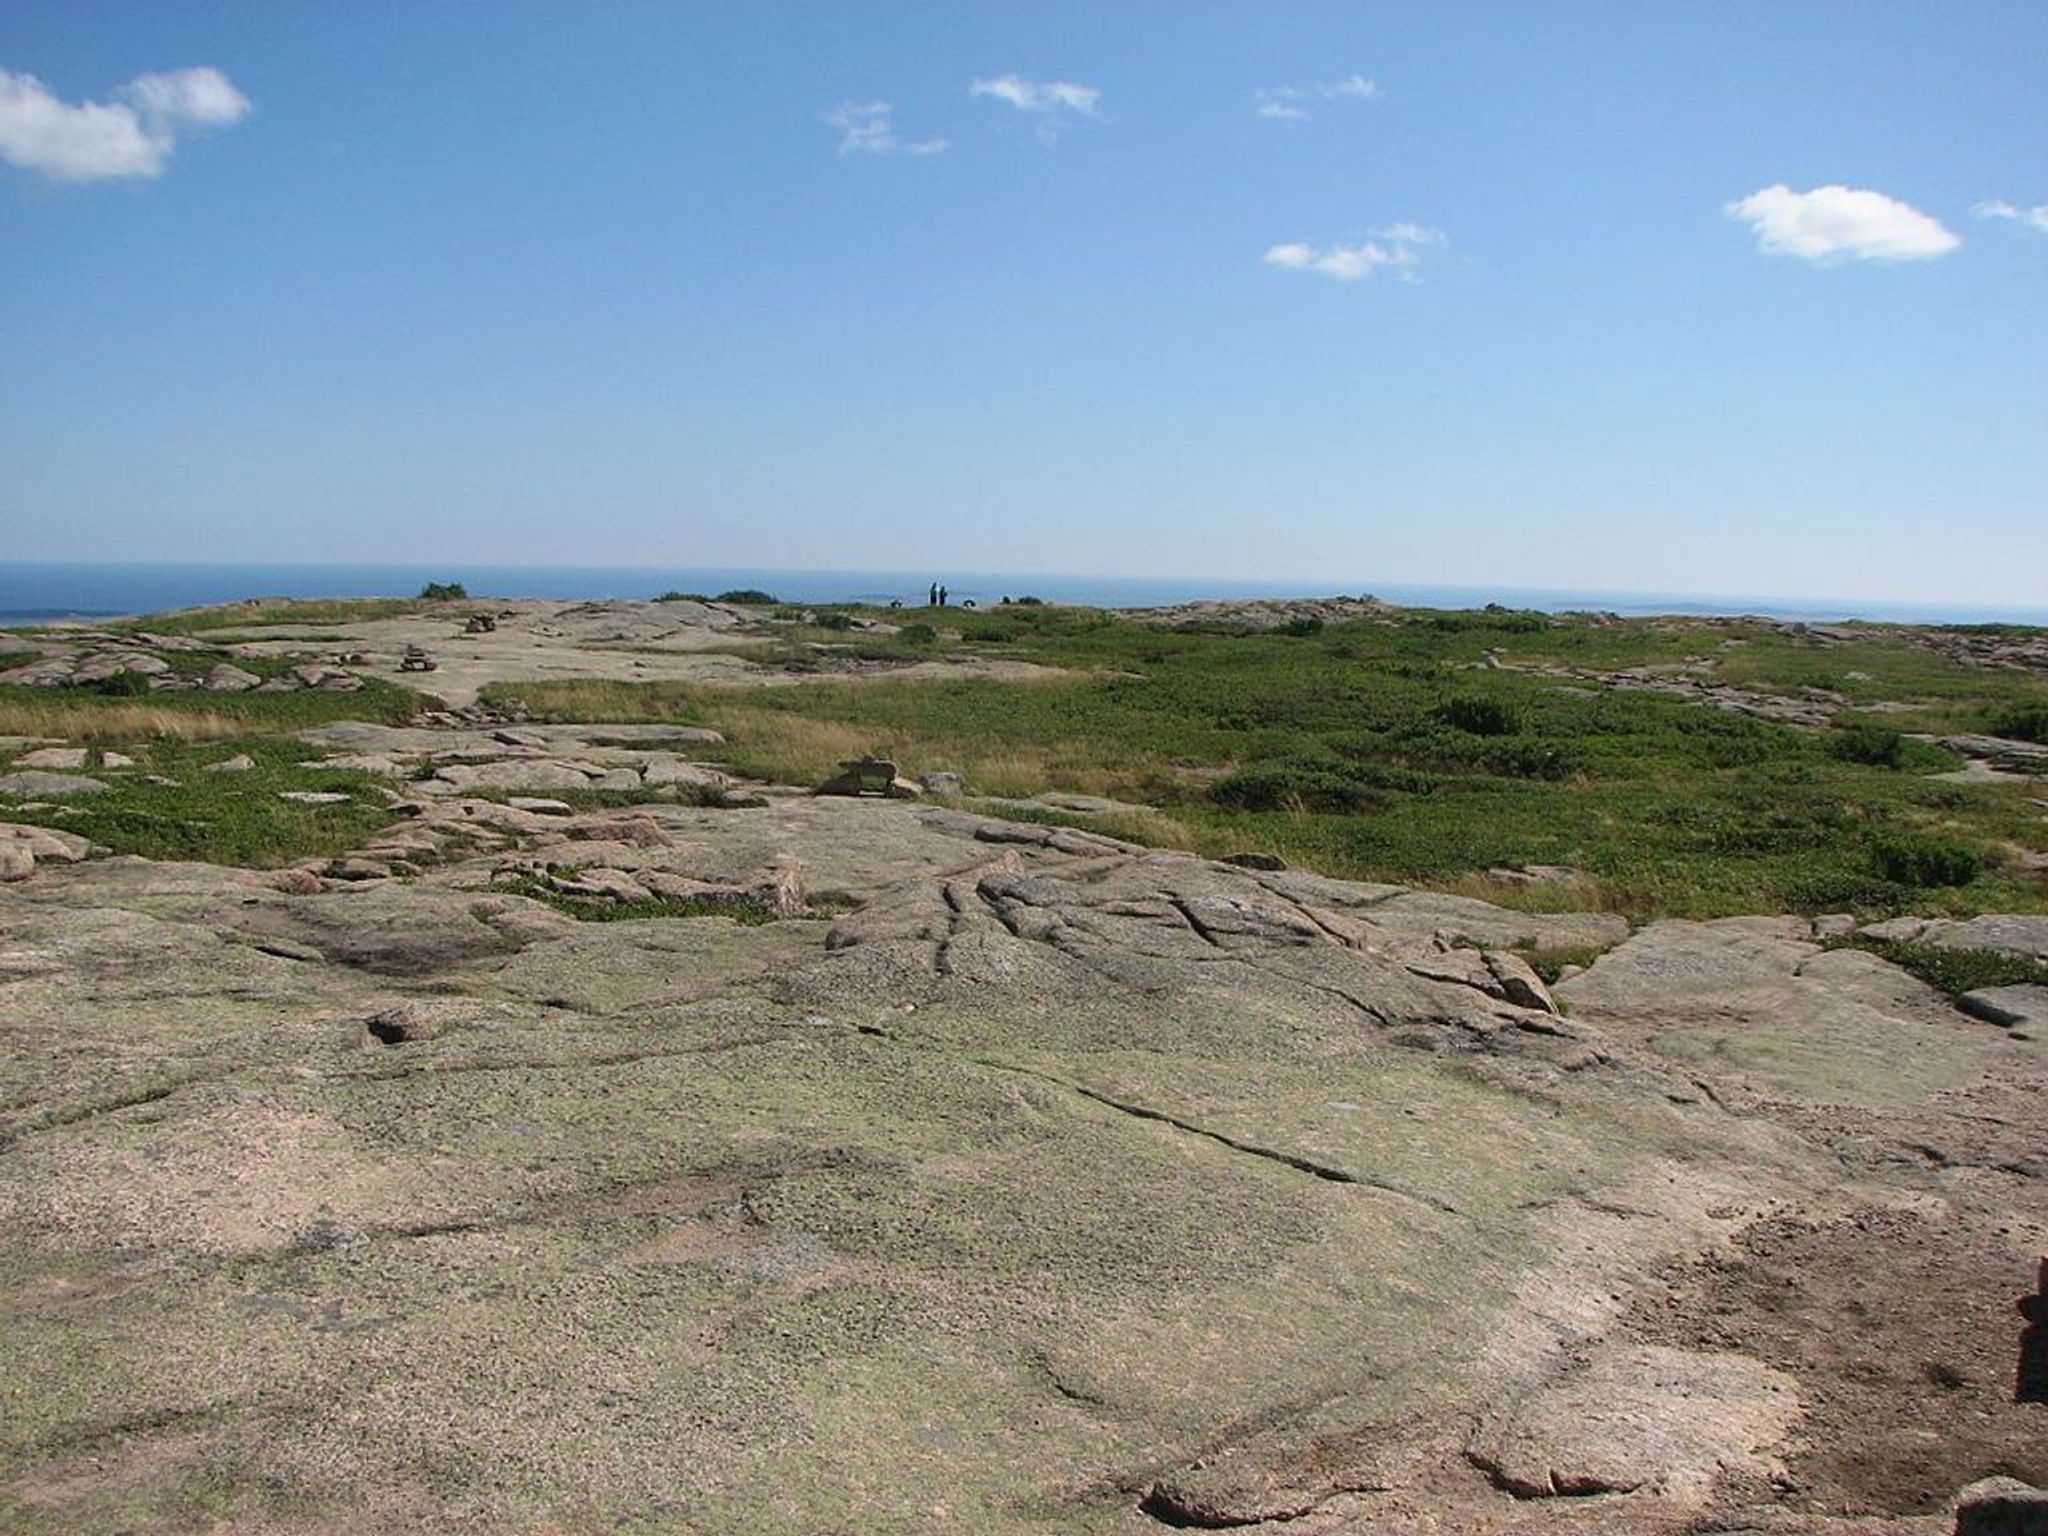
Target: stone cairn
[(416, 660)]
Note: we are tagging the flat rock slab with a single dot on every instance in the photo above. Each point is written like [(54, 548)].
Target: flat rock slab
[(2007, 932), (36, 784), (1646, 1418), (54, 757)]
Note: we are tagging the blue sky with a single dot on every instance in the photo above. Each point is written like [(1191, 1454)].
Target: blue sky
[(1181, 292)]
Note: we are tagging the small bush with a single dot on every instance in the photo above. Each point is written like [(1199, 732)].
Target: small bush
[(1844, 890), (835, 621), (917, 634), (1282, 784), (2025, 722), (1874, 745), (443, 592), (1029, 602), (1307, 624), (749, 595), (1924, 862), (1480, 716), (682, 597)]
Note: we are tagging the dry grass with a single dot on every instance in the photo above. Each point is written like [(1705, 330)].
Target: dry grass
[(795, 749), (115, 720), (1584, 894)]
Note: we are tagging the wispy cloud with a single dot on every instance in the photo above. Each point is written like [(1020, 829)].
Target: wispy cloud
[(132, 135), (1835, 224), (1290, 103), (2035, 218), (869, 128), (1397, 248), (1053, 103)]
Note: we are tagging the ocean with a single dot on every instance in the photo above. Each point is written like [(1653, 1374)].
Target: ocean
[(34, 592)]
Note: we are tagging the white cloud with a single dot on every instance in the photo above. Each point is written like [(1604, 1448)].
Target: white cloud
[(1832, 224), (1286, 102), (1397, 248), (95, 140), (1039, 95), (868, 128), (1055, 103), (2035, 218)]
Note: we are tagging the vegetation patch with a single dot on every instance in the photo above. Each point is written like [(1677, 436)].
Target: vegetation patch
[(1954, 971), (173, 805), (1424, 748)]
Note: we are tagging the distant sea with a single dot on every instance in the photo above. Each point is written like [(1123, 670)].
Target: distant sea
[(37, 592)]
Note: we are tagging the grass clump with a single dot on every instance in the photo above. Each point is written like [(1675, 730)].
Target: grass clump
[(598, 909)]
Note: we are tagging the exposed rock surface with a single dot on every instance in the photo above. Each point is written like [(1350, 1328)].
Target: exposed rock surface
[(1010, 1178)]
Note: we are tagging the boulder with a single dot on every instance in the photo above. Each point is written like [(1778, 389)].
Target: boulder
[(46, 844), (949, 785), (2001, 1506), (106, 665), (241, 762), (228, 678), (16, 862), (116, 760), (53, 757)]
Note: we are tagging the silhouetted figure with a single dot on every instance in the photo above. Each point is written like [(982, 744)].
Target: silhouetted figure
[(2030, 1382), (932, 599), (942, 597)]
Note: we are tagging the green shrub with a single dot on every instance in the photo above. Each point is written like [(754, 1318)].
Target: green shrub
[(1876, 746), (1844, 890), (1922, 861), (750, 595), (835, 621), (443, 592), (2024, 722), (917, 634), (682, 597), (1290, 783), (1480, 716), (1307, 624)]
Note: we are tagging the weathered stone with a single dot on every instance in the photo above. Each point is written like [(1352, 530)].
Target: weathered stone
[(116, 760), (241, 762), (54, 757), (517, 773), (314, 796), (57, 786), (949, 786), (1641, 1418), (2001, 1506), (17, 862), (228, 678)]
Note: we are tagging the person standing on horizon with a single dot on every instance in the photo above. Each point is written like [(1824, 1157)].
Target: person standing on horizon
[(932, 598), (942, 597)]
